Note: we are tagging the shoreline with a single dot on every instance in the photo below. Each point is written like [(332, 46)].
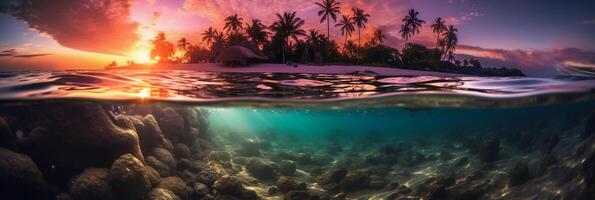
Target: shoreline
[(310, 69)]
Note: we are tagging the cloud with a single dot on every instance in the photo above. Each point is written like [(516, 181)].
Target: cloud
[(101, 26), (588, 22), (9, 52), (533, 62), (31, 55), (15, 54)]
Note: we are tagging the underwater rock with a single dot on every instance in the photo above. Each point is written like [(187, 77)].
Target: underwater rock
[(489, 149), (519, 174), (7, 138), (549, 143), (260, 169), (219, 156), (437, 194), (445, 155), (161, 168), (185, 164), (175, 185), (253, 147), (154, 176), (167, 145), (333, 175), (129, 178), (333, 148), (172, 124), (286, 184), (63, 196), (590, 127), (287, 167), (200, 190), (228, 185), (300, 195), (162, 194), (149, 133), (208, 176), (92, 184), (76, 137), (377, 182), (19, 177), (588, 171), (125, 121), (165, 157), (199, 165), (355, 181), (273, 190), (182, 151), (380, 158), (188, 177), (304, 158)]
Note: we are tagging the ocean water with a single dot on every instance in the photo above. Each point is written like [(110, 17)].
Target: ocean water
[(203, 135)]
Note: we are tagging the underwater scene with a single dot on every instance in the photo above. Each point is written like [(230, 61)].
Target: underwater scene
[(197, 135)]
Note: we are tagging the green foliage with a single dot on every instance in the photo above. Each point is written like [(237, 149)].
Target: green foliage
[(380, 54), (419, 56)]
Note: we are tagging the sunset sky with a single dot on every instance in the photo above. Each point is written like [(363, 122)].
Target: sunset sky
[(536, 36)]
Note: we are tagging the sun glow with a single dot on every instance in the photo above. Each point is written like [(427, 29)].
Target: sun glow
[(141, 51)]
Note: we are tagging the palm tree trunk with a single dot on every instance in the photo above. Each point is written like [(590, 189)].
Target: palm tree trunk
[(328, 28), (345, 43), (359, 36)]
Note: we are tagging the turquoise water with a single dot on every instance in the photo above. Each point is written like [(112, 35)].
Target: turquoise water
[(202, 135), (389, 121)]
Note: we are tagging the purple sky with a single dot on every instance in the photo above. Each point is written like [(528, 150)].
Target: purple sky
[(536, 36)]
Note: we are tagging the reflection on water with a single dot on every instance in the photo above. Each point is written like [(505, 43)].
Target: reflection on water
[(196, 87), (294, 136)]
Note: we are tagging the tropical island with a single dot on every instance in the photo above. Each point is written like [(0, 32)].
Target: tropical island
[(284, 41)]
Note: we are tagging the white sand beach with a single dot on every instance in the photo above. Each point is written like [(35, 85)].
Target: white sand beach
[(281, 68)]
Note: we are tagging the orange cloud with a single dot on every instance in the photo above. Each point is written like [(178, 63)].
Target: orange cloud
[(89, 25)]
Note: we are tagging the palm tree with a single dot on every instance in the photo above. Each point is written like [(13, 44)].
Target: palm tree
[(347, 27), (233, 23), (160, 37), (360, 19), (378, 37), (219, 37), (183, 47), (162, 49), (411, 25), (257, 32), (313, 38), (288, 26), (209, 35), (183, 44), (449, 42), (328, 11), (438, 27)]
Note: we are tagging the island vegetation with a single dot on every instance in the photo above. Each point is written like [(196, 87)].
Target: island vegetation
[(285, 41)]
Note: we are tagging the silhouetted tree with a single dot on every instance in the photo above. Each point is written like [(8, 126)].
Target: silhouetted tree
[(162, 49), (183, 45), (475, 63), (328, 10), (233, 23), (209, 36), (360, 19), (287, 26), (411, 25), (378, 37), (419, 56), (449, 43), (347, 27), (438, 27), (257, 32)]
